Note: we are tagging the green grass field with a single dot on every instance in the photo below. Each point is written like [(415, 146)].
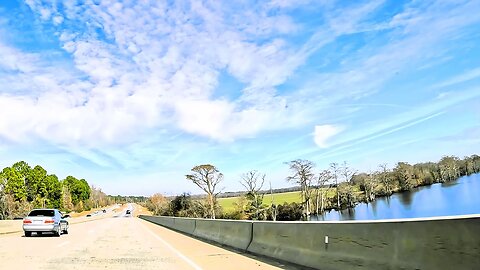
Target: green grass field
[(279, 198)]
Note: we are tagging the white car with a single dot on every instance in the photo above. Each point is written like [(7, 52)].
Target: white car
[(45, 220)]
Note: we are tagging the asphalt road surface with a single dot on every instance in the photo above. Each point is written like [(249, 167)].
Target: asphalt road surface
[(120, 243)]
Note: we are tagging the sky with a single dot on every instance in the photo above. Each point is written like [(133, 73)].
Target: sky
[(130, 95)]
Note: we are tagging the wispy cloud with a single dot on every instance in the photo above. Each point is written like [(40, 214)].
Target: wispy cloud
[(323, 133), (464, 77), (163, 79)]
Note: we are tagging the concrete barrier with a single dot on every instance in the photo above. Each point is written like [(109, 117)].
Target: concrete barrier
[(233, 233), (237, 234), (154, 219), (450, 243), (430, 243), (10, 226), (186, 225)]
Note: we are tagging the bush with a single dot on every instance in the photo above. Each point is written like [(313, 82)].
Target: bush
[(289, 212), (236, 215)]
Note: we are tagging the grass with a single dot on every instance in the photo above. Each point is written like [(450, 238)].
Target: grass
[(279, 198)]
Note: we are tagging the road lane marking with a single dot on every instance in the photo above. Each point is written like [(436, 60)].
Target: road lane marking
[(183, 257), (63, 244)]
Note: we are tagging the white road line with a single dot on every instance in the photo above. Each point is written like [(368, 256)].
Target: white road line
[(63, 244), (187, 260)]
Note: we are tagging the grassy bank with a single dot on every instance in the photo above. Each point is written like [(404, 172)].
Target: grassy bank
[(279, 198)]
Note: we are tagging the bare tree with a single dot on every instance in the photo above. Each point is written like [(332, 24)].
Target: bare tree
[(322, 189), (346, 172), (253, 182), (207, 177), (273, 206), (157, 202), (303, 175), (347, 175), (335, 170), (370, 184), (385, 178)]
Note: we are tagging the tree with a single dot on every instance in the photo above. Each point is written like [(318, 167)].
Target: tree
[(348, 197), (66, 198), (386, 179), (303, 175), (292, 211), (181, 204), (370, 184), (23, 188), (54, 191), (273, 211), (36, 186), (79, 192), (322, 189), (346, 172), (207, 177), (240, 206), (97, 197), (253, 182), (475, 163), (403, 173), (14, 184), (3, 202), (157, 203), (449, 168), (334, 169)]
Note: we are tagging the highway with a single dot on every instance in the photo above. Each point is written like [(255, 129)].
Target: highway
[(121, 242)]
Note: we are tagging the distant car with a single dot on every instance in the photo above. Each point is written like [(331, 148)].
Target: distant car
[(89, 215), (45, 220), (104, 211), (128, 212)]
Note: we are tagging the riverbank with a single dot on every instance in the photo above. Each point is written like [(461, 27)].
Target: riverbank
[(459, 197)]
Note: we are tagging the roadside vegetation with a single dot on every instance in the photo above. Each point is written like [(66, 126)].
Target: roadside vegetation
[(23, 188), (337, 187)]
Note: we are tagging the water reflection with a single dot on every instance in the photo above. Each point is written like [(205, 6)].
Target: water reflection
[(406, 198), (374, 207), (455, 198)]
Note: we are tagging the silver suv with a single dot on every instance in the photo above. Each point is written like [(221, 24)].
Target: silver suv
[(45, 220)]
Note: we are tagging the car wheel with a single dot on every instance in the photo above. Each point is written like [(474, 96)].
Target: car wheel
[(58, 232), (28, 234)]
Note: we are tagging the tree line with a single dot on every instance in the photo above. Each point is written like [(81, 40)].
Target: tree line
[(336, 187), (23, 188)]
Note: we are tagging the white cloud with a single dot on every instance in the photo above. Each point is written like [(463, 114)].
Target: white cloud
[(464, 77), (324, 133), (156, 67)]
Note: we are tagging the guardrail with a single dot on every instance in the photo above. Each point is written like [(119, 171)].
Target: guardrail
[(428, 243)]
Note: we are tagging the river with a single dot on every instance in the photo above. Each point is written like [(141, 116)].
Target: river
[(459, 197)]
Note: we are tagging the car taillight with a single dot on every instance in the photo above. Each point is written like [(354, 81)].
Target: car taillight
[(49, 221), (27, 221)]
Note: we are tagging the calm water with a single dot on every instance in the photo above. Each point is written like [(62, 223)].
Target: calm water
[(455, 198)]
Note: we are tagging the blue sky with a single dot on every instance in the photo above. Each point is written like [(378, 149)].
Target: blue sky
[(130, 95)]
